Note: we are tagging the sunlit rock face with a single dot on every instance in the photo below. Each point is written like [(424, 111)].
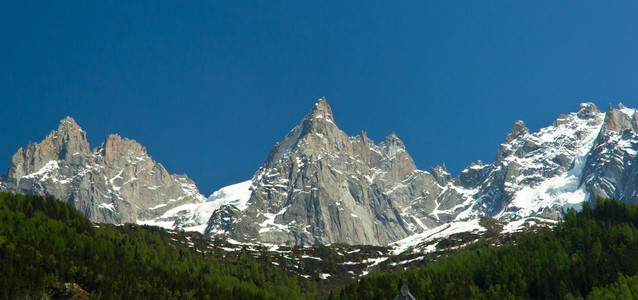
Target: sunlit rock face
[(319, 186), (114, 183)]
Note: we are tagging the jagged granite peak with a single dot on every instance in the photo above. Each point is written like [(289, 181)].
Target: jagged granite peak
[(587, 111), (610, 170), (322, 110), (318, 122), (441, 175), (64, 144), (115, 147), (320, 185), (364, 138), (620, 119), (115, 183), (395, 160), (478, 163), (538, 173), (70, 139), (517, 130)]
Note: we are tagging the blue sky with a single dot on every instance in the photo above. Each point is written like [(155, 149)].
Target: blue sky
[(209, 87)]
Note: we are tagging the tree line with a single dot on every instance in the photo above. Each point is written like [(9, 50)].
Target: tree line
[(45, 242), (590, 254)]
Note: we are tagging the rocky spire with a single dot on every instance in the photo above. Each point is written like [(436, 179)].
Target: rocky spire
[(441, 175), (393, 141), (115, 183), (610, 122), (478, 163), (396, 160), (318, 124), (62, 144), (617, 120), (321, 109), (116, 147), (320, 117), (320, 185), (364, 137), (68, 139), (587, 111), (517, 130)]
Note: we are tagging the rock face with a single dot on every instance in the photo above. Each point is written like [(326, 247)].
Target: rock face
[(535, 174), (610, 170), (115, 183), (319, 185)]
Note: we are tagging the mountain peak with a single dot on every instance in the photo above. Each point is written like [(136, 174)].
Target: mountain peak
[(620, 119), (321, 110), (394, 140), (587, 110), (115, 183), (441, 175), (115, 147), (67, 140), (68, 119), (517, 130), (69, 125), (319, 122)]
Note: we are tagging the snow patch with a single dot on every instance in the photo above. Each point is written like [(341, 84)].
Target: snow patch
[(270, 224), (49, 167), (109, 206), (438, 232), (563, 190)]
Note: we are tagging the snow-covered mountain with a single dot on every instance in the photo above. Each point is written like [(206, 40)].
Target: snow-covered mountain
[(115, 183), (319, 185), (536, 174)]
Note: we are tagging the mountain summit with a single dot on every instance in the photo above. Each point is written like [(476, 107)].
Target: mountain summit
[(319, 122), (318, 185), (115, 183)]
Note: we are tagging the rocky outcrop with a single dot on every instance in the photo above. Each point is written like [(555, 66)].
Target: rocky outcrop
[(518, 129), (536, 174), (610, 171), (319, 185), (115, 183)]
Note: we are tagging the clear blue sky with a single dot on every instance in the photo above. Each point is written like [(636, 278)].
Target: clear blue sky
[(209, 87)]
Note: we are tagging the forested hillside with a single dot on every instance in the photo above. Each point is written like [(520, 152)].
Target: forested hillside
[(45, 243), (593, 250)]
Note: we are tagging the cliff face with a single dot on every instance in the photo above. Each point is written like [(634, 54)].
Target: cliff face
[(319, 185), (536, 174), (611, 168), (115, 183)]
